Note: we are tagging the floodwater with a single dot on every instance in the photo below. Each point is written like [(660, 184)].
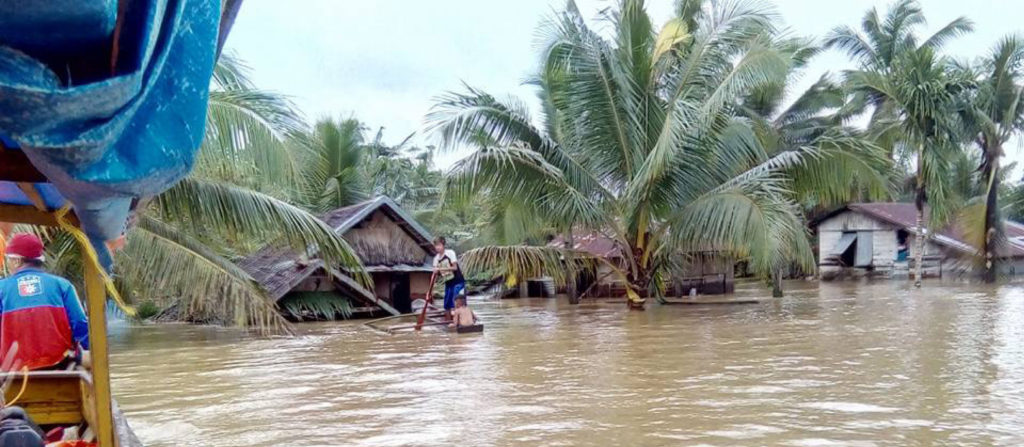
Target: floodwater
[(841, 364)]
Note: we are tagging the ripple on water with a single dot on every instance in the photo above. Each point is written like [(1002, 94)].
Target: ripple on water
[(848, 407), (746, 431)]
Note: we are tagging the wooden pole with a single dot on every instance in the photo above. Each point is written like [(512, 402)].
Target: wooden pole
[(426, 305), (96, 300)]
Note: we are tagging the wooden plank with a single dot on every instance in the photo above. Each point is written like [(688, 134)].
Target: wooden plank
[(479, 327), (30, 191), (361, 291), (96, 299), (417, 325), (88, 404), (30, 215), (711, 301), (48, 399), (16, 167), (27, 215)]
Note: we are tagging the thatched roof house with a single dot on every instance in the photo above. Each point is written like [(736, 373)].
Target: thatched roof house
[(394, 248)]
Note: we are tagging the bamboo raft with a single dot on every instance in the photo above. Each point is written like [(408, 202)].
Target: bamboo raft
[(430, 316), (408, 322), (711, 301)]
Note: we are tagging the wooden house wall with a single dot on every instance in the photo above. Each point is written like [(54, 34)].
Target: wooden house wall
[(885, 245), (418, 283)]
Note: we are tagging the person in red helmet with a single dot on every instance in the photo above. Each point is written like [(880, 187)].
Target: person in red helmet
[(39, 311)]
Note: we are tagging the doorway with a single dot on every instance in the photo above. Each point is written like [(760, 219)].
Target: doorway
[(401, 298)]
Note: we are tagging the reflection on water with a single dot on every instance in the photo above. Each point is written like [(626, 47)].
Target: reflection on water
[(836, 364)]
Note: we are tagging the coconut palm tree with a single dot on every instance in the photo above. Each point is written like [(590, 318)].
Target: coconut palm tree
[(922, 93), (815, 119), (335, 174), (880, 43), (642, 142), (181, 247), (995, 115)]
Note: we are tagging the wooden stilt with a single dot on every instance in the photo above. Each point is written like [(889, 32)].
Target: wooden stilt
[(96, 300)]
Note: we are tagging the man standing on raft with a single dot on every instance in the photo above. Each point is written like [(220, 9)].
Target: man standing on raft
[(446, 266)]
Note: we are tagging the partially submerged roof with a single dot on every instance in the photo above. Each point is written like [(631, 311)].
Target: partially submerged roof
[(279, 269), (343, 219), (904, 216), (596, 244)]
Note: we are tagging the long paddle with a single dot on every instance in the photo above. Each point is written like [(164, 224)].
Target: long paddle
[(428, 299)]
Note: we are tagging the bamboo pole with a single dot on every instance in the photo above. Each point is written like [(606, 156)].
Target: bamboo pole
[(429, 298), (96, 300)]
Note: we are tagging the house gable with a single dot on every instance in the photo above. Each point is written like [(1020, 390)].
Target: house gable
[(379, 240)]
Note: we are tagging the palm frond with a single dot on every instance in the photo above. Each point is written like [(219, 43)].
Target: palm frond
[(212, 208), (525, 262), (203, 285), (316, 305), (247, 131), (851, 42), (952, 30)]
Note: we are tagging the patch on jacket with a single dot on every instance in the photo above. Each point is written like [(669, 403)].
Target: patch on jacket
[(29, 285)]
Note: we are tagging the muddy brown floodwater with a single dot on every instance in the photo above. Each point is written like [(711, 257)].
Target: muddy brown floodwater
[(839, 364)]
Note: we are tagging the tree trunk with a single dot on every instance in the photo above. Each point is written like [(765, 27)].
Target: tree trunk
[(570, 285), (991, 218), (640, 283), (919, 201), (919, 246), (777, 283)]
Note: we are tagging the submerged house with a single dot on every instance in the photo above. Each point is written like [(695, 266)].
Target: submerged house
[(395, 250), (877, 239), (706, 272)]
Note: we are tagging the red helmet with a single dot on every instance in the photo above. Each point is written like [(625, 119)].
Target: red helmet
[(25, 245)]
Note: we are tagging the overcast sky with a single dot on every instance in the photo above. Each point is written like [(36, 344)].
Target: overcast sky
[(384, 61)]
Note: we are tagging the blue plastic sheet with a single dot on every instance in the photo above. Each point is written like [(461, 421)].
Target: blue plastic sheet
[(105, 133)]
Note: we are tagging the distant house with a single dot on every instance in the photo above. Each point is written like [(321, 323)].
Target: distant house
[(706, 272), (395, 250), (877, 239)]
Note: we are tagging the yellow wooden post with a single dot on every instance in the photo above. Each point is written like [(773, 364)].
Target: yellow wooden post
[(96, 300)]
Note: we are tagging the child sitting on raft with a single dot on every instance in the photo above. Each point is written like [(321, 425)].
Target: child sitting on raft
[(464, 316)]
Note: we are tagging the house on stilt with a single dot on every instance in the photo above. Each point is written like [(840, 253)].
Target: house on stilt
[(395, 250)]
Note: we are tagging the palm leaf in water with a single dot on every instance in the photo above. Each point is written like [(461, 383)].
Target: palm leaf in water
[(524, 262), (325, 305)]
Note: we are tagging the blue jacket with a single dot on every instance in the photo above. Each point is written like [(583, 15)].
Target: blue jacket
[(40, 312)]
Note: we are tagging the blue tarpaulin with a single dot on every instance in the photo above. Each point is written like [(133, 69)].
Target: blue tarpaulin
[(109, 105)]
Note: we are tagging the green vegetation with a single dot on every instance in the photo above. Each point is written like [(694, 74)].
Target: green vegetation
[(670, 140)]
